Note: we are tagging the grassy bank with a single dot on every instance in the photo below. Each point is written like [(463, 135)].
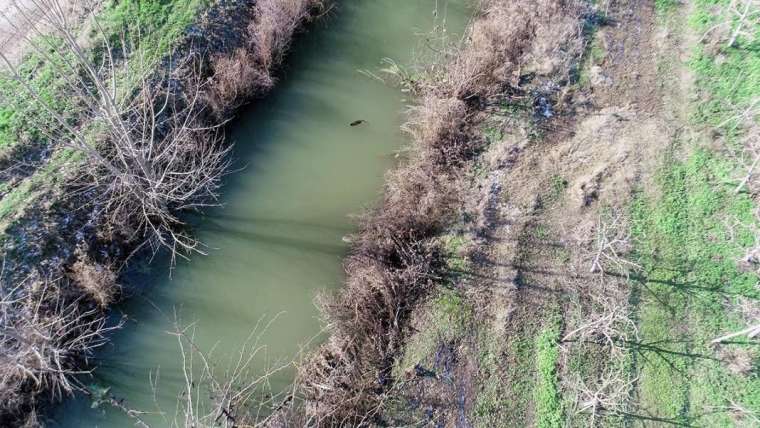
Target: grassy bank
[(25, 126), (163, 24), (694, 234), (691, 239)]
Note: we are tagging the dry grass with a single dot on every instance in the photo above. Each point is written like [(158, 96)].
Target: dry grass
[(96, 280), (249, 70), (232, 77), (395, 261), (45, 332)]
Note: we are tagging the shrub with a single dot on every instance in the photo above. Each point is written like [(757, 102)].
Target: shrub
[(249, 69), (96, 280)]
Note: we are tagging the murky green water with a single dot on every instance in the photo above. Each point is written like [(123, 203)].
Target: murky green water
[(277, 241)]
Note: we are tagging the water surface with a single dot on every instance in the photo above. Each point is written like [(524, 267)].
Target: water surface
[(277, 240)]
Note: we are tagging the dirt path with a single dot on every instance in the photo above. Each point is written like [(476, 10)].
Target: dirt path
[(555, 189)]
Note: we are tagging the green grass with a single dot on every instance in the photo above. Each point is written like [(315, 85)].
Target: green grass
[(166, 20), (540, 232), (594, 53), (546, 394), (155, 25), (666, 6), (731, 83), (162, 23), (690, 233), (690, 283), (491, 398), (21, 120), (453, 248), (506, 392), (451, 313), (597, 54), (557, 186), (517, 373), (23, 195), (448, 314)]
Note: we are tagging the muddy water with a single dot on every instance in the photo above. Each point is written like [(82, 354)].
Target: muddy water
[(278, 239)]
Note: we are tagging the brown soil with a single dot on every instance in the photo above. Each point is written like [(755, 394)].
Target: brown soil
[(621, 125), (541, 200)]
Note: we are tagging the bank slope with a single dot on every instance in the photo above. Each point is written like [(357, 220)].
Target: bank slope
[(572, 241)]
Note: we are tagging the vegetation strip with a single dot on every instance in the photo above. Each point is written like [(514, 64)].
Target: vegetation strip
[(547, 395), (693, 234)]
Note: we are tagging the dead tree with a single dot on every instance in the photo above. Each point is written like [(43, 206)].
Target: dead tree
[(739, 17), (607, 396), (749, 309), (751, 332), (610, 325), (740, 412), (237, 396), (745, 14), (608, 322), (748, 157)]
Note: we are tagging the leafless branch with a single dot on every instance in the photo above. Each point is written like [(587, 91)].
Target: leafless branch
[(150, 153), (40, 332), (608, 395), (613, 241)]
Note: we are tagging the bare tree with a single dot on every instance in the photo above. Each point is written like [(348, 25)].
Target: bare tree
[(739, 411), (751, 332), (747, 155), (607, 395), (610, 325), (749, 310), (745, 14), (240, 395), (738, 16), (141, 127)]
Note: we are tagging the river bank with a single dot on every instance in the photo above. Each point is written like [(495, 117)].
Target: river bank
[(410, 250), (64, 245), (277, 240), (571, 241)]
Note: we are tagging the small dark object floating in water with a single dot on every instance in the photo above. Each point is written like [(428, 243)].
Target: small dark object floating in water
[(357, 122)]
